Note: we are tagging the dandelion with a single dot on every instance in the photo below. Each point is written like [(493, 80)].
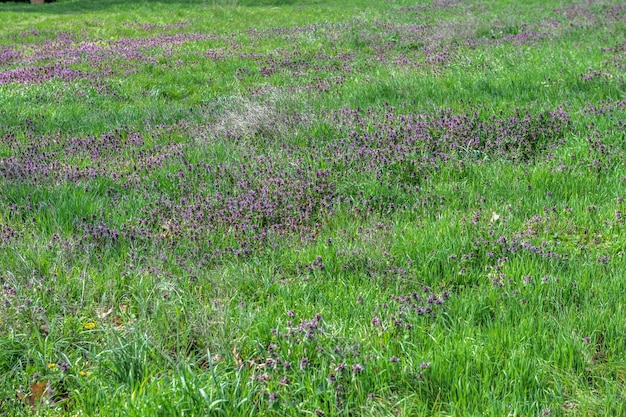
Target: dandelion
[(89, 325), (52, 365)]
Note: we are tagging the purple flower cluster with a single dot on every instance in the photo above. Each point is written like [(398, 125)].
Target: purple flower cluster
[(35, 74), (251, 201), (305, 330), (288, 33), (268, 194), (8, 55), (402, 311), (310, 347), (54, 58), (495, 250), (151, 27), (411, 146), (7, 234), (432, 46), (435, 5), (594, 74), (525, 38), (34, 34), (7, 289), (585, 13), (578, 14), (429, 46)]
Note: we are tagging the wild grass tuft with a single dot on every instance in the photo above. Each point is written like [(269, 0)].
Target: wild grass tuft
[(312, 208)]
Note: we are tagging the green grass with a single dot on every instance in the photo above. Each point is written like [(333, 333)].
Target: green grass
[(330, 208)]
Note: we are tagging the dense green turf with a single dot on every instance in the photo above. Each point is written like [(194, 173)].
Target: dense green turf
[(323, 208)]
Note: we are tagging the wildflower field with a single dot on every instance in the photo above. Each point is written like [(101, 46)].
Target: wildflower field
[(313, 207)]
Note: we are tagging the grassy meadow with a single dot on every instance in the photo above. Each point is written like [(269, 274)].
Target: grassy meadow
[(316, 208)]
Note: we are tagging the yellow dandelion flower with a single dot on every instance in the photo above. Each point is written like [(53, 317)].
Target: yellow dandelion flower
[(89, 326), (52, 365)]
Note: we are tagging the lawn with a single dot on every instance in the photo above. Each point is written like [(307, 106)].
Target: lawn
[(317, 208)]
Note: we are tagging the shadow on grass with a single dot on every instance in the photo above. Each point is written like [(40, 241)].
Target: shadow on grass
[(81, 6)]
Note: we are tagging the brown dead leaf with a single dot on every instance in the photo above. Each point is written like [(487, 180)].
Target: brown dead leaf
[(117, 322), (38, 392)]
